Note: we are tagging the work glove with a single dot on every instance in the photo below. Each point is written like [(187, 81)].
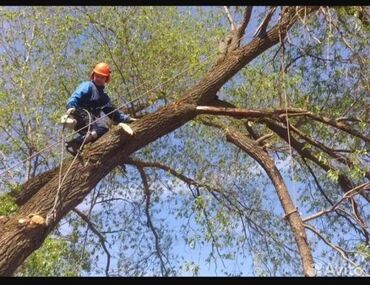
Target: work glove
[(126, 128), (71, 111), (67, 121)]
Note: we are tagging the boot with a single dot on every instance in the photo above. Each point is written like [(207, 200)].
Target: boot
[(73, 146)]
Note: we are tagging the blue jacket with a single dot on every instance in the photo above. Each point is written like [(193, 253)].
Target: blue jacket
[(93, 98)]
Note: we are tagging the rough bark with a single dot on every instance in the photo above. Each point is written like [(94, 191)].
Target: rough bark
[(19, 240), (28, 189)]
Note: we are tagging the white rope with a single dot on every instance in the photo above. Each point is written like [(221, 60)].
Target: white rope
[(51, 215), (286, 112)]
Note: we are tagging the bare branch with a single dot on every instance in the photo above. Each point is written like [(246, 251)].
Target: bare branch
[(248, 113), (351, 119), (139, 163), (230, 18), (238, 33), (341, 251), (261, 30), (263, 138), (100, 236), (355, 191), (147, 193), (317, 181), (338, 125), (246, 18)]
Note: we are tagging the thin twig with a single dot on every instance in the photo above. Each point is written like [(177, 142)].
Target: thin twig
[(147, 194), (347, 195), (230, 18), (341, 251), (100, 236), (261, 30)]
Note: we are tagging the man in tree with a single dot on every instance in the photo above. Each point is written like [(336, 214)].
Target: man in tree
[(85, 105)]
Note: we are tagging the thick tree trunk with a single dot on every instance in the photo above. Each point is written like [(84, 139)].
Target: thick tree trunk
[(19, 240), (28, 189)]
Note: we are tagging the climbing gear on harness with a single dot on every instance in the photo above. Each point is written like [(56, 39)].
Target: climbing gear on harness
[(103, 69), (68, 121), (126, 128), (81, 122), (90, 136)]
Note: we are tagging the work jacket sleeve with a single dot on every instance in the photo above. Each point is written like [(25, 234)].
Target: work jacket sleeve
[(83, 90), (116, 116)]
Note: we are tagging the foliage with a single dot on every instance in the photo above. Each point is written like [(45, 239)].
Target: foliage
[(7, 205), (54, 258), (228, 222)]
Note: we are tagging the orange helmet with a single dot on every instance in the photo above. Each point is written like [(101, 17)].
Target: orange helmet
[(103, 69)]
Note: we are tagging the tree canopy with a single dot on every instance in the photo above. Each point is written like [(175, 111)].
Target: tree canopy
[(250, 155)]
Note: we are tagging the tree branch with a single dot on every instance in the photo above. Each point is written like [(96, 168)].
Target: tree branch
[(261, 30), (355, 191), (341, 251), (246, 18), (264, 160), (238, 33), (100, 236), (345, 183), (147, 194), (229, 17), (338, 125), (141, 164), (344, 160), (248, 113)]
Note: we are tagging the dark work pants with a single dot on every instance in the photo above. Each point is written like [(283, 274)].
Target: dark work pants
[(83, 120)]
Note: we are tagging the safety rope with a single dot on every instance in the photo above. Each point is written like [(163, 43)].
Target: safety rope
[(286, 111), (51, 214)]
